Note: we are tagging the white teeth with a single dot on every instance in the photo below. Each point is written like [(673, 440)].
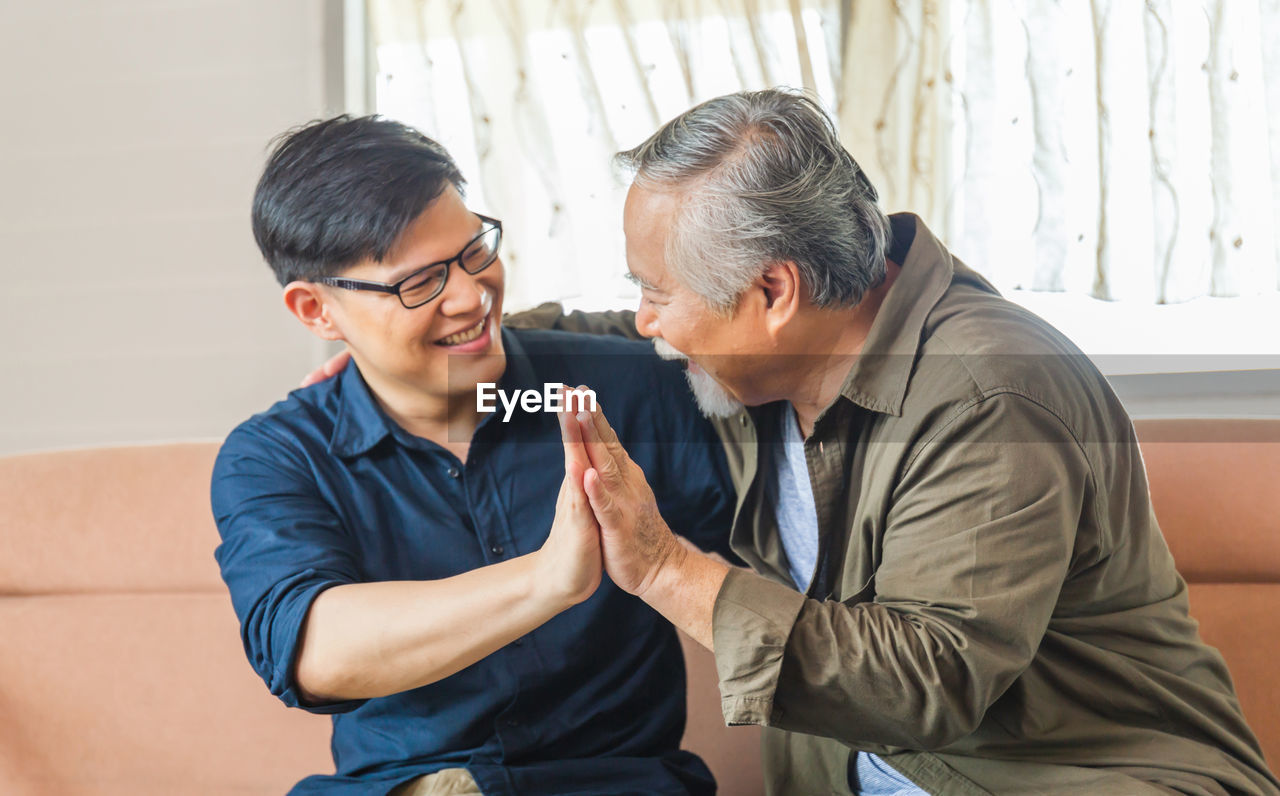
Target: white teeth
[(465, 337)]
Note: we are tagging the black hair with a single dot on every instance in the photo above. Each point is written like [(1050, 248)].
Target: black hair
[(337, 191)]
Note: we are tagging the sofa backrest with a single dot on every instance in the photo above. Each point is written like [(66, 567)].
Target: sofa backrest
[(121, 670), (1216, 489)]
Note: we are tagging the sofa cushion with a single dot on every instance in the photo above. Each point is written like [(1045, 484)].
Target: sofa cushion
[(1243, 621), (142, 694)]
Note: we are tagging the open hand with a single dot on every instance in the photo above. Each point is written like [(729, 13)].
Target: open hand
[(636, 541), (571, 557)]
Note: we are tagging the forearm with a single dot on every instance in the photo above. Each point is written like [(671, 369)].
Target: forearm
[(684, 591), (374, 639)]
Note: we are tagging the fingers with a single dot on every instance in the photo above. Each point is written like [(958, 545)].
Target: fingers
[(602, 503), (335, 363), (332, 366), (601, 459), (603, 449), (566, 485), (577, 501), (607, 433), (575, 455), (573, 501)]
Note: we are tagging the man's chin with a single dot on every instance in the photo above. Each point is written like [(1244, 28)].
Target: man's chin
[(465, 372), (713, 400)]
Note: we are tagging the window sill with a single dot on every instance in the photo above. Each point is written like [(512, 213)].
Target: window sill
[(1211, 357), (1201, 336)]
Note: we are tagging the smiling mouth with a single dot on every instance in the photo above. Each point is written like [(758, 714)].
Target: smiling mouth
[(465, 336)]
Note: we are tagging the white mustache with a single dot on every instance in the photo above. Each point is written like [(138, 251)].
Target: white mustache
[(667, 351)]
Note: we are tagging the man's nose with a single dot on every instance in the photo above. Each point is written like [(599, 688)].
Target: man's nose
[(463, 294), (647, 322)]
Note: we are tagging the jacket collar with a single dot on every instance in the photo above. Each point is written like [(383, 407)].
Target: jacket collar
[(878, 378)]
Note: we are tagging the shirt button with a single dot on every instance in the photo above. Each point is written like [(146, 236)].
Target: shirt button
[(511, 722), (496, 549), (454, 472)]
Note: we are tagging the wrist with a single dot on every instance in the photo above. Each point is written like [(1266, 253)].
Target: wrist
[(546, 589), (685, 589), (667, 569)]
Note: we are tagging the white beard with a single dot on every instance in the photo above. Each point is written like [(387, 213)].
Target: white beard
[(713, 400)]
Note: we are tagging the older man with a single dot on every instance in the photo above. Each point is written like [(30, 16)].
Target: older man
[(960, 586)]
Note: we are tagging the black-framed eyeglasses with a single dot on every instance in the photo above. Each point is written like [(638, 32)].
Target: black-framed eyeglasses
[(428, 281)]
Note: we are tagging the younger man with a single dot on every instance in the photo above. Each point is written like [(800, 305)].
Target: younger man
[(386, 545)]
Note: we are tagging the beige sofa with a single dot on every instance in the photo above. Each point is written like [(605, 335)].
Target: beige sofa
[(122, 671)]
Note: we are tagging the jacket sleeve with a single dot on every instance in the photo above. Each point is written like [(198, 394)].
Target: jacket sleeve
[(976, 547), (281, 546), (551, 315)]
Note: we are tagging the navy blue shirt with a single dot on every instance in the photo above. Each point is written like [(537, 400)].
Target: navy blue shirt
[(324, 489)]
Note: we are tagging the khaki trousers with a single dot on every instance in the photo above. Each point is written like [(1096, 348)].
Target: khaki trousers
[(446, 782)]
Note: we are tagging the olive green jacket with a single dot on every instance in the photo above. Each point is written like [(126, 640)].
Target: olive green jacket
[(994, 609)]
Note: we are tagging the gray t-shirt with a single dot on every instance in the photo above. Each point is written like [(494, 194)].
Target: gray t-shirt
[(793, 503), (797, 515)]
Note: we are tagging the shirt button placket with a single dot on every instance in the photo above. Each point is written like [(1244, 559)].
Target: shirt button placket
[(488, 524)]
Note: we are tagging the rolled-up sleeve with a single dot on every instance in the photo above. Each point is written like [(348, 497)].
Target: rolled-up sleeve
[(281, 546), (975, 549)]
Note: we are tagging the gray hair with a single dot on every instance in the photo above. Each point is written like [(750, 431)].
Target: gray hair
[(762, 178)]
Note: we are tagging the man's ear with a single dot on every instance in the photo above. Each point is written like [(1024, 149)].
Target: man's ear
[(782, 289), (309, 304)]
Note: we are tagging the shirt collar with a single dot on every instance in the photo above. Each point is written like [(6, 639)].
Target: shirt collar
[(361, 423), (878, 378)]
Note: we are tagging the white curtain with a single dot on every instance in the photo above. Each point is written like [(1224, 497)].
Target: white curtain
[(1115, 148)]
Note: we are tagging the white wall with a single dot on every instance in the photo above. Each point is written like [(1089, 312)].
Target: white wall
[(134, 305)]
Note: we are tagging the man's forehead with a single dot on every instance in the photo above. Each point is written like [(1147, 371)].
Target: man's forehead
[(647, 219), (436, 234), (647, 269), (648, 204)]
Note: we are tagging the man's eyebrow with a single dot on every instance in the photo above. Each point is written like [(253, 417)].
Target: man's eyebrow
[(408, 270), (635, 280)]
